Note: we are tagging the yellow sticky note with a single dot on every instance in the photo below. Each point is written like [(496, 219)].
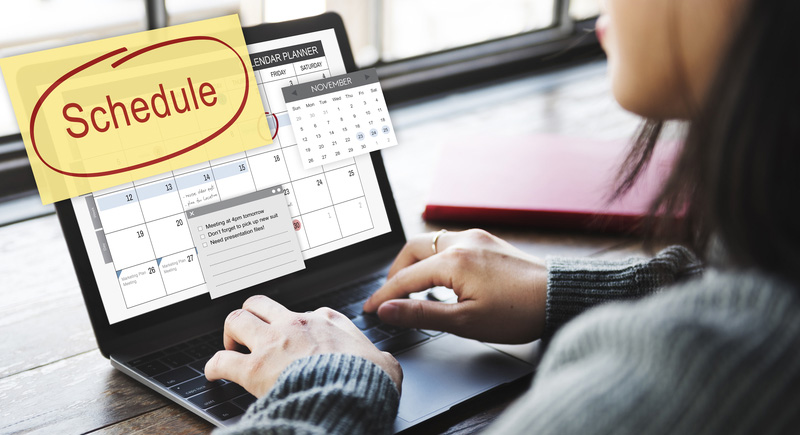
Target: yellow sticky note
[(108, 112)]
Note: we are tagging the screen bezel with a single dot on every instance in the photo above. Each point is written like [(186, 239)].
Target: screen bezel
[(108, 335)]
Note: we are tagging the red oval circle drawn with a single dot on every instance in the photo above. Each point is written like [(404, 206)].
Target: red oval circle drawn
[(276, 123), (99, 59)]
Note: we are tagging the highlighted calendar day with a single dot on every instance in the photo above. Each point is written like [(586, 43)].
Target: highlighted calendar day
[(339, 117), (109, 112)]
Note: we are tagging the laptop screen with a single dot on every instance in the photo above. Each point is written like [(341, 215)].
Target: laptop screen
[(138, 237)]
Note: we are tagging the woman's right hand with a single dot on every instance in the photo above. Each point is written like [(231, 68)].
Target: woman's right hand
[(501, 290)]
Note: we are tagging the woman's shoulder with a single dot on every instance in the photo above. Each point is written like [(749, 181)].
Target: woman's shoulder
[(720, 305), (715, 342), (724, 294)]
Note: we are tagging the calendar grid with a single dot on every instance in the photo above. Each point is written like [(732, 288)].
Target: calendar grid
[(151, 243), (359, 104), (327, 185), (366, 204), (147, 223), (166, 293), (161, 277), (148, 261), (333, 241), (329, 204), (270, 81)]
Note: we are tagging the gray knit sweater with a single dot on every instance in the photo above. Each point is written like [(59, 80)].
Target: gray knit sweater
[(713, 354)]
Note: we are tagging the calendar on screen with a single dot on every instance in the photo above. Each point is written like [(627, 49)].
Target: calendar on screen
[(339, 117), (148, 250)]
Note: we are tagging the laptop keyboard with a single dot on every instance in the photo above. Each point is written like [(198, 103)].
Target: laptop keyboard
[(180, 367)]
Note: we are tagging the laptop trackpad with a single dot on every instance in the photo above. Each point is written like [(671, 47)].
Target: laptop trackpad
[(452, 369)]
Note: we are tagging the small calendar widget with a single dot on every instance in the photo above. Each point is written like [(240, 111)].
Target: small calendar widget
[(340, 117)]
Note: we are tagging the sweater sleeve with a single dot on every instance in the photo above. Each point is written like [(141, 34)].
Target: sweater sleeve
[(577, 284), (717, 355), (324, 394)]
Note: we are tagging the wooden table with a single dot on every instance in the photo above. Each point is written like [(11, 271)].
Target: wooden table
[(54, 380)]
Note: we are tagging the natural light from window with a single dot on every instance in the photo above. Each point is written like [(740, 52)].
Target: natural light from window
[(379, 30)]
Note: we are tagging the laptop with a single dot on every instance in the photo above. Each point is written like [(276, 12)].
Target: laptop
[(148, 302)]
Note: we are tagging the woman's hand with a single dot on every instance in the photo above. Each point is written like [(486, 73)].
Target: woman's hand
[(501, 290), (276, 337)]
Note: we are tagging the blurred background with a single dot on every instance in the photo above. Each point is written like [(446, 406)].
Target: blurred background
[(422, 48)]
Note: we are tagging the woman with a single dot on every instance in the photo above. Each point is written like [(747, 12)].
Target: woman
[(717, 353)]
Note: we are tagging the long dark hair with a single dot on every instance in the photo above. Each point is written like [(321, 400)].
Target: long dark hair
[(737, 177)]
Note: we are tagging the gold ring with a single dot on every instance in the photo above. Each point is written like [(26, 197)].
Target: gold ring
[(436, 240)]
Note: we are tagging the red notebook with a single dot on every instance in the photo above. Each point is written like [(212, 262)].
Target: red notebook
[(542, 181)]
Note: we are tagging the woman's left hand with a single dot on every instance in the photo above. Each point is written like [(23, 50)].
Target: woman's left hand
[(276, 337)]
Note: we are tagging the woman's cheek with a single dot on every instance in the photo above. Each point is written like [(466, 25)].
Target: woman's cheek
[(635, 39), (623, 71)]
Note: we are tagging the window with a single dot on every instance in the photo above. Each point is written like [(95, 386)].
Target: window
[(419, 46), (34, 25), (416, 27), (583, 9), (383, 31)]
